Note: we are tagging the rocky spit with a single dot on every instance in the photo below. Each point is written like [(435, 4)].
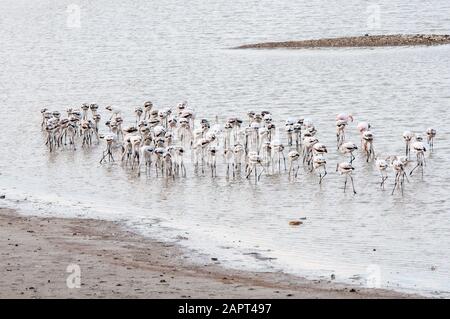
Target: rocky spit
[(360, 41)]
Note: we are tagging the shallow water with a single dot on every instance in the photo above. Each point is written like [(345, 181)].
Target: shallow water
[(126, 53)]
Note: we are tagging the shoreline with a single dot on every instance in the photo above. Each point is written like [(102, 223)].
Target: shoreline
[(358, 41), (117, 263)]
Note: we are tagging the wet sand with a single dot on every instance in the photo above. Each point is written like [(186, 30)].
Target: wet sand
[(361, 41), (116, 263)]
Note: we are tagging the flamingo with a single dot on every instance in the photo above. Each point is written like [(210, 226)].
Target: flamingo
[(267, 117), (94, 109), (146, 155), (212, 151), (308, 143), (250, 117), (347, 170), (115, 112), (254, 159), (147, 108), (344, 117), (298, 135), (399, 165), (293, 156), (179, 161), (420, 149), (238, 154), (199, 148), (45, 116), (110, 139), (289, 133), (367, 138), (138, 111), (278, 150), (340, 132), (184, 132), (363, 127), (431, 134), (319, 165), (85, 109), (349, 148), (317, 149), (382, 166), (407, 137)]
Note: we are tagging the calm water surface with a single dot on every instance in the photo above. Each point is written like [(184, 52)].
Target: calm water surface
[(128, 52)]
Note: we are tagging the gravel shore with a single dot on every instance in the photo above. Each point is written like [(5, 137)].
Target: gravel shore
[(116, 263), (360, 41)]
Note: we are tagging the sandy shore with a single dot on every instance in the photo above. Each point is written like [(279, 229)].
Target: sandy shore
[(116, 263), (361, 41)]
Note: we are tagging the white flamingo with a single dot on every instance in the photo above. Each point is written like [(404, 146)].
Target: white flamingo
[(431, 134), (110, 139), (349, 148), (254, 159), (367, 138), (115, 112), (319, 165), (407, 137), (420, 149), (363, 127), (347, 170), (278, 151), (340, 132), (382, 166), (293, 157), (398, 166), (146, 157)]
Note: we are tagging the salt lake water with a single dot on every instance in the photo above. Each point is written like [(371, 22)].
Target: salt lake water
[(124, 53)]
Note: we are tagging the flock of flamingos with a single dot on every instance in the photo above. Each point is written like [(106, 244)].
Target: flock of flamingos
[(161, 139)]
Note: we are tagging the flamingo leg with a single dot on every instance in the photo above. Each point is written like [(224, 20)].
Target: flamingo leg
[(249, 171), (383, 181), (296, 171), (395, 184), (410, 173), (104, 155), (263, 169), (322, 176), (353, 185)]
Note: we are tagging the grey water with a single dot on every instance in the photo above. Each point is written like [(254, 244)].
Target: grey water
[(58, 54)]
